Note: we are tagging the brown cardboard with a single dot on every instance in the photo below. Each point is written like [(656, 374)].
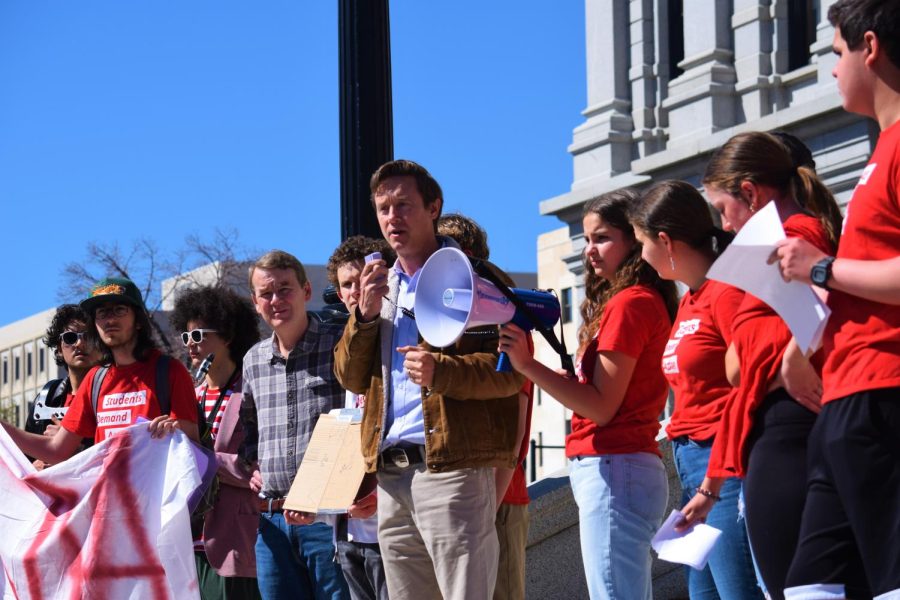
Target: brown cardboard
[(331, 471)]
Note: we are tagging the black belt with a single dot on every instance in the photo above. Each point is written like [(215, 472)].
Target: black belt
[(402, 455)]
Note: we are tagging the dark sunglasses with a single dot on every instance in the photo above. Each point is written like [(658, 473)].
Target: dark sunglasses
[(195, 335), (70, 338)]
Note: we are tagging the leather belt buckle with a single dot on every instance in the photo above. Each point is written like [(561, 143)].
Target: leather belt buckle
[(271, 505)]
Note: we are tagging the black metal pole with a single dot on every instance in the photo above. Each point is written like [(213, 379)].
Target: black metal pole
[(367, 133)]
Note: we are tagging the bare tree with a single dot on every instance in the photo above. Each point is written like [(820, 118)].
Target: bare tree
[(218, 261)]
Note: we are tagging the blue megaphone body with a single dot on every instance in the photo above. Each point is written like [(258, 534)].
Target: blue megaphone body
[(451, 298)]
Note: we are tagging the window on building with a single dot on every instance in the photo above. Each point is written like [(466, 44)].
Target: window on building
[(537, 396), (42, 358), (675, 32), (5, 370), (28, 364), (565, 301), (801, 27), (17, 369)]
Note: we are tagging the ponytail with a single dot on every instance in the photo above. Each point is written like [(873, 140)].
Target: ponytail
[(812, 195)]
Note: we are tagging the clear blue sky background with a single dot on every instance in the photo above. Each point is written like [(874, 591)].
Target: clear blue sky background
[(127, 119)]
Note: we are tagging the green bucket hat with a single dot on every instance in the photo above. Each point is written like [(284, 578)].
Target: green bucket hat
[(113, 289)]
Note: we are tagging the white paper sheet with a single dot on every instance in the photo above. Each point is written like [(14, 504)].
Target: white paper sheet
[(743, 265), (691, 547)]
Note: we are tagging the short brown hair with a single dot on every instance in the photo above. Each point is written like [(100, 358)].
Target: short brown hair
[(428, 187), (470, 236), (355, 248), (277, 259), (882, 17)]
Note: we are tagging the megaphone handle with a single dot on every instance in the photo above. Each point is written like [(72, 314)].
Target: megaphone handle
[(503, 364)]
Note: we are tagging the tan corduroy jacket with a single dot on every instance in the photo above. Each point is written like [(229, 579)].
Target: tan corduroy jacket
[(470, 412)]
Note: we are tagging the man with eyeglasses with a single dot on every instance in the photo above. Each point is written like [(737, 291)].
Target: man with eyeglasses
[(65, 338), (287, 383), (119, 327)]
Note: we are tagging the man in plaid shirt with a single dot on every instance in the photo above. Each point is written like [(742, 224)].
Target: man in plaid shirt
[(288, 382)]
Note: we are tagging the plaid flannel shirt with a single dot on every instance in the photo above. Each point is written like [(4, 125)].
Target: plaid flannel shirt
[(282, 400)]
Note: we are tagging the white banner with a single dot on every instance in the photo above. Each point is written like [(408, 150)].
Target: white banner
[(111, 522)]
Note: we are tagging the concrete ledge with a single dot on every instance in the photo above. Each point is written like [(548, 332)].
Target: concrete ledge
[(553, 564)]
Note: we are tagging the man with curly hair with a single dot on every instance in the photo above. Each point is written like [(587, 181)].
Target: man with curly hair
[(357, 536), (65, 337), (216, 322)]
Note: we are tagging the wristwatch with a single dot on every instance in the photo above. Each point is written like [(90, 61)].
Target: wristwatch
[(821, 272)]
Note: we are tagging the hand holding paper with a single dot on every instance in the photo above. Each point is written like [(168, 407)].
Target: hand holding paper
[(691, 547), (744, 264)]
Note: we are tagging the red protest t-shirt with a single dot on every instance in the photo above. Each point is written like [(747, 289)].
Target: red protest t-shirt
[(760, 337), (862, 337), (694, 359), (634, 322), (128, 392)]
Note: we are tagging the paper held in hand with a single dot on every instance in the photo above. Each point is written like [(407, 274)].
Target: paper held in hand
[(691, 547), (333, 467), (743, 265)]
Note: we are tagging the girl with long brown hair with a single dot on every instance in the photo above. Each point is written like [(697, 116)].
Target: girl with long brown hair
[(675, 227), (616, 472)]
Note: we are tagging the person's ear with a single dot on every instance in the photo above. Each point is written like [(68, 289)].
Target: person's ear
[(666, 240), (750, 194)]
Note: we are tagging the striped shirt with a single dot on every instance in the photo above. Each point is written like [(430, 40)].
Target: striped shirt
[(209, 396), (283, 398)]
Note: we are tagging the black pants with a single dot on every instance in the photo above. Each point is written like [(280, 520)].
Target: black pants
[(775, 485), (851, 526)]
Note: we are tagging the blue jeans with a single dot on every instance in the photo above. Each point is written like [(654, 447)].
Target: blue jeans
[(621, 501), (729, 573), (296, 561)]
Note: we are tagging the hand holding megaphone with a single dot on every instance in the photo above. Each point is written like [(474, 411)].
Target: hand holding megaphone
[(514, 344), (419, 363), (372, 287)]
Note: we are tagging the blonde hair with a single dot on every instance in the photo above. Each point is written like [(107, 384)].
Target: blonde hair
[(277, 259)]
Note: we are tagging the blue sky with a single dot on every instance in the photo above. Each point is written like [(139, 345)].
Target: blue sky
[(121, 120)]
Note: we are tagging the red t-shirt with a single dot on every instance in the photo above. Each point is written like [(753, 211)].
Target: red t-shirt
[(635, 323), (760, 337), (126, 394), (862, 337), (694, 359), (208, 397)]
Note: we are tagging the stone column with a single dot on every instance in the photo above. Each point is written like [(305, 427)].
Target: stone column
[(648, 134), (754, 31), (701, 100), (601, 146)]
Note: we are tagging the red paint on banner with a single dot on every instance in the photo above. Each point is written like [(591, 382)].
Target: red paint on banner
[(94, 558)]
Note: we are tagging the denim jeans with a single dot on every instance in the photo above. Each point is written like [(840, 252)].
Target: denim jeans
[(729, 573), (621, 500), (296, 561)]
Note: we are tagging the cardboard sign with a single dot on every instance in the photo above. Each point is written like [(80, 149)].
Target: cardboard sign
[(332, 469)]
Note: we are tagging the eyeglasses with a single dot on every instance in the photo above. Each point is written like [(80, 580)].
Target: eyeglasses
[(195, 335), (70, 338), (108, 312)]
